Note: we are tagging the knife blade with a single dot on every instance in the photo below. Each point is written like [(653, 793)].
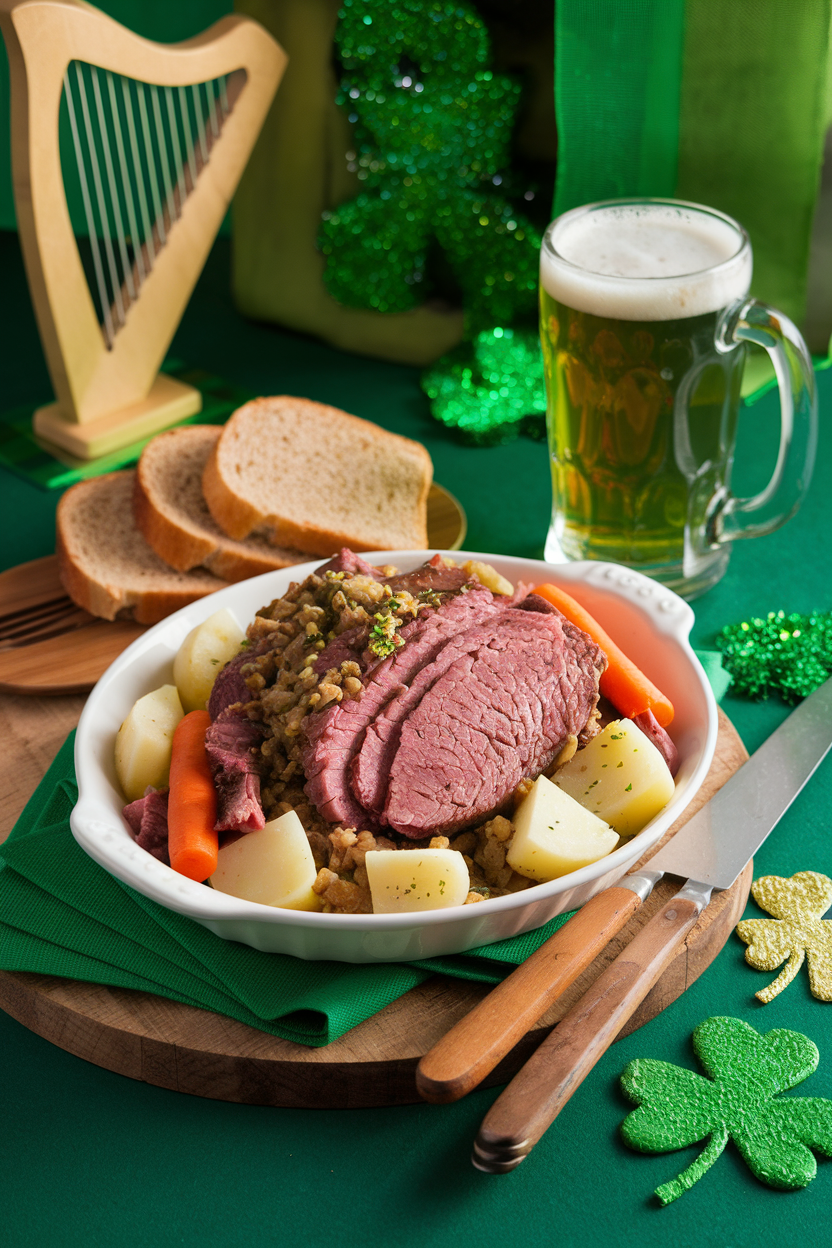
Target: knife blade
[(712, 849), (753, 801), (462, 1058)]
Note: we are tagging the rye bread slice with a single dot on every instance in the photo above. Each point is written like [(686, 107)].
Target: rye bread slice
[(105, 564), (314, 477), (172, 515)]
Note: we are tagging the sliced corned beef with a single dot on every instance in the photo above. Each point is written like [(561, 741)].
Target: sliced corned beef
[(496, 715), (370, 766), (433, 575), (347, 647), (662, 740), (231, 744), (348, 561), (148, 819), (230, 686), (334, 735)]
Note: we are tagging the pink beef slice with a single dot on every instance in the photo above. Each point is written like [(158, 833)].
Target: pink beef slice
[(230, 686), (231, 744), (347, 561), (148, 819), (499, 713), (433, 575), (346, 647), (371, 764), (662, 740), (334, 735)]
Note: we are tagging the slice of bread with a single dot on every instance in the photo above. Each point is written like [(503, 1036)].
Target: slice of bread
[(311, 476), (105, 564), (172, 514)]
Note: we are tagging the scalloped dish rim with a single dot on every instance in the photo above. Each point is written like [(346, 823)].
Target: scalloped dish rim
[(623, 600)]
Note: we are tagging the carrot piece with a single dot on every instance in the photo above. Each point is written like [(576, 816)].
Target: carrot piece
[(192, 804), (626, 686)]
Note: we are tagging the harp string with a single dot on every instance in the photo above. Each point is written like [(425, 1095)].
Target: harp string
[(114, 202), (127, 185), (136, 154), (147, 233), (91, 226), (100, 202)]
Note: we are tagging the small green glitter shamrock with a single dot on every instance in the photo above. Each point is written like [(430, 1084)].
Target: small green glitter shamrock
[(797, 931), (786, 654), (492, 388), (746, 1072), (433, 127)]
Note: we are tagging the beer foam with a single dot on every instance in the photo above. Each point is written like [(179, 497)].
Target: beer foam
[(645, 262)]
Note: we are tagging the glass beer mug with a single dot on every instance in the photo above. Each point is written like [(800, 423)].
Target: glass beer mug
[(644, 321)]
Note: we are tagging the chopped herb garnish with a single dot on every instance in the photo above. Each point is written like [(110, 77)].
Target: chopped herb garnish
[(628, 788), (383, 636)]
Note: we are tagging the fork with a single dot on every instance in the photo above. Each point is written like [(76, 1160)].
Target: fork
[(41, 621)]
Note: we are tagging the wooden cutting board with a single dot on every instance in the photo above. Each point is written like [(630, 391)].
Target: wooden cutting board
[(190, 1050), (48, 645)]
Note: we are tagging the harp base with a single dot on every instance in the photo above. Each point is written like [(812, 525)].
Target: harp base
[(169, 400)]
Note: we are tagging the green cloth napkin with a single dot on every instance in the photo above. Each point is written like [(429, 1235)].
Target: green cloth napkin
[(62, 914)]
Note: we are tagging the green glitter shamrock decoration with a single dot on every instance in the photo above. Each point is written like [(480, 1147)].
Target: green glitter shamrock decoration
[(746, 1072), (432, 126), (492, 388), (786, 654), (797, 932)]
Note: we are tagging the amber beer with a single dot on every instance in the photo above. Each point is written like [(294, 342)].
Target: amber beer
[(642, 402)]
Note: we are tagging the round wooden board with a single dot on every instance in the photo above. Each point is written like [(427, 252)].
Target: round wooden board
[(189, 1050), (76, 648)]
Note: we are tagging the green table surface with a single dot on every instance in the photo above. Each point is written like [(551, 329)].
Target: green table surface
[(91, 1158)]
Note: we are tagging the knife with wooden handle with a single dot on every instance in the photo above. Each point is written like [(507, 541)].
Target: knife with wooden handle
[(478, 1042), (710, 850)]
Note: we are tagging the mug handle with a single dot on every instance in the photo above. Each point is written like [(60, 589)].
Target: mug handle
[(752, 321)]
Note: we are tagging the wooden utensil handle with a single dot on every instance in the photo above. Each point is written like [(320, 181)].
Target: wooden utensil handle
[(470, 1050), (537, 1094)]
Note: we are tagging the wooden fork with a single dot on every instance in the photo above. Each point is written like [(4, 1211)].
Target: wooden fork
[(48, 645)]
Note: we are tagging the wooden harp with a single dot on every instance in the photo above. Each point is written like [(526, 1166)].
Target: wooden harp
[(161, 134)]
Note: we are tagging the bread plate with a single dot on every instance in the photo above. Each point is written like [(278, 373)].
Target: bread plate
[(649, 622)]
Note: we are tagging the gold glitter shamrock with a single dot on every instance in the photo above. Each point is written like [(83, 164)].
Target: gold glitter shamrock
[(739, 1100), (796, 932)]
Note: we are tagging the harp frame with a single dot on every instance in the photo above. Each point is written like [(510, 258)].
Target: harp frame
[(109, 396)]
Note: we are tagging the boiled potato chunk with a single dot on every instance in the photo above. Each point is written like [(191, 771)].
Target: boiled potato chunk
[(205, 650), (489, 577), (620, 776), (554, 834), (144, 741), (273, 866), (402, 880)]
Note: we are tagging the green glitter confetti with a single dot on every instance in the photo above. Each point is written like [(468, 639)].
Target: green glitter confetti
[(786, 654), (432, 125), (797, 932), (746, 1071), (491, 389)]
